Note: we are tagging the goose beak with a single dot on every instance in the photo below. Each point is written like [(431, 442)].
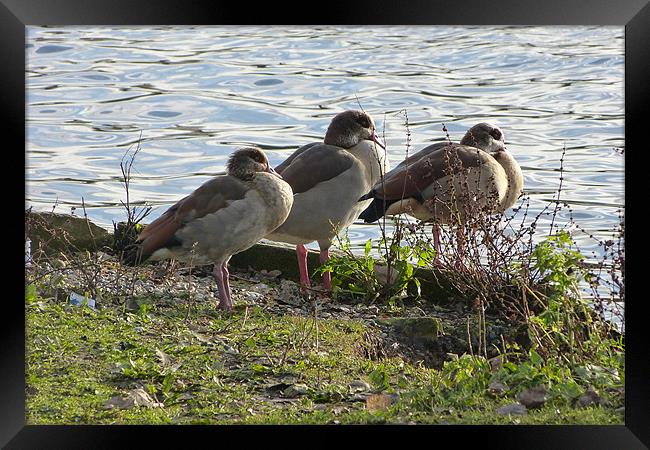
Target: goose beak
[(378, 141), (273, 172)]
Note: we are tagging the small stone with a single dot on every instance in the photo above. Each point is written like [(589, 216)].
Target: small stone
[(274, 273), (359, 386), (296, 390), (253, 296), (381, 272), (533, 398), (590, 398), (514, 409), (497, 389), (136, 397), (260, 288), (380, 402), (496, 363)]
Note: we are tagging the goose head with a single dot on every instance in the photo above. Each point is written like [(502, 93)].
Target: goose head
[(247, 161), (349, 128), (485, 136)]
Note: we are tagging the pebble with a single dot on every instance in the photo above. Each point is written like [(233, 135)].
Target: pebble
[(533, 398), (296, 390), (514, 409), (496, 363), (253, 296), (359, 386), (260, 288), (590, 398), (497, 389)]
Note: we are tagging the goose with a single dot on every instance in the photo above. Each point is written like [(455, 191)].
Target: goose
[(226, 215), (427, 185), (327, 179)]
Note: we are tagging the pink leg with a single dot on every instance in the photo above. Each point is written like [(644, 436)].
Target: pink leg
[(301, 251), (327, 276), (225, 302), (226, 279)]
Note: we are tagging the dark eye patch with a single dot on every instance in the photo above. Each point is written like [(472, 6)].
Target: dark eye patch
[(256, 156), (496, 134), (364, 121)]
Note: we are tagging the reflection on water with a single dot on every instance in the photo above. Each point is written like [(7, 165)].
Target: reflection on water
[(196, 93)]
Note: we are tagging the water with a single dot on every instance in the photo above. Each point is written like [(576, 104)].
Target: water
[(194, 94)]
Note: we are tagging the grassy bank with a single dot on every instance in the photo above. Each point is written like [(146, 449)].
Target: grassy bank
[(159, 353)]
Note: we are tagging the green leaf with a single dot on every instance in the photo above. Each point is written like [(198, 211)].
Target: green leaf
[(379, 378), (535, 358), (30, 293), (250, 343)]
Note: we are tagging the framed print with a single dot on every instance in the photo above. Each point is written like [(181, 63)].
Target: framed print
[(316, 162)]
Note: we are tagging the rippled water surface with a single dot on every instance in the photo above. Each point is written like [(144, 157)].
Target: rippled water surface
[(194, 94)]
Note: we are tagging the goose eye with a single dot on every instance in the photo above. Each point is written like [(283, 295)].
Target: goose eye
[(496, 134), (364, 122)]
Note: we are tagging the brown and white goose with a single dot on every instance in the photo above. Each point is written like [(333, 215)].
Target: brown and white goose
[(444, 181), (224, 216), (327, 180)]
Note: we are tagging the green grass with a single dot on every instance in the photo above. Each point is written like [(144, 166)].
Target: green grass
[(216, 368)]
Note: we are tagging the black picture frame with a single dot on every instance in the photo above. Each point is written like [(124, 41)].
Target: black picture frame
[(15, 15)]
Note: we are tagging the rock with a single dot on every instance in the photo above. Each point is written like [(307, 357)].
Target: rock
[(260, 288), (253, 296), (53, 233), (136, 397), (289, 293), (497, 389), (533, 398), (296, 390), (421, 331), (357, 398), (496, 363), (277, 387), (359, 386), (380, 402), (381, 272), (514, 409), (590, 398), (132, 304)]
